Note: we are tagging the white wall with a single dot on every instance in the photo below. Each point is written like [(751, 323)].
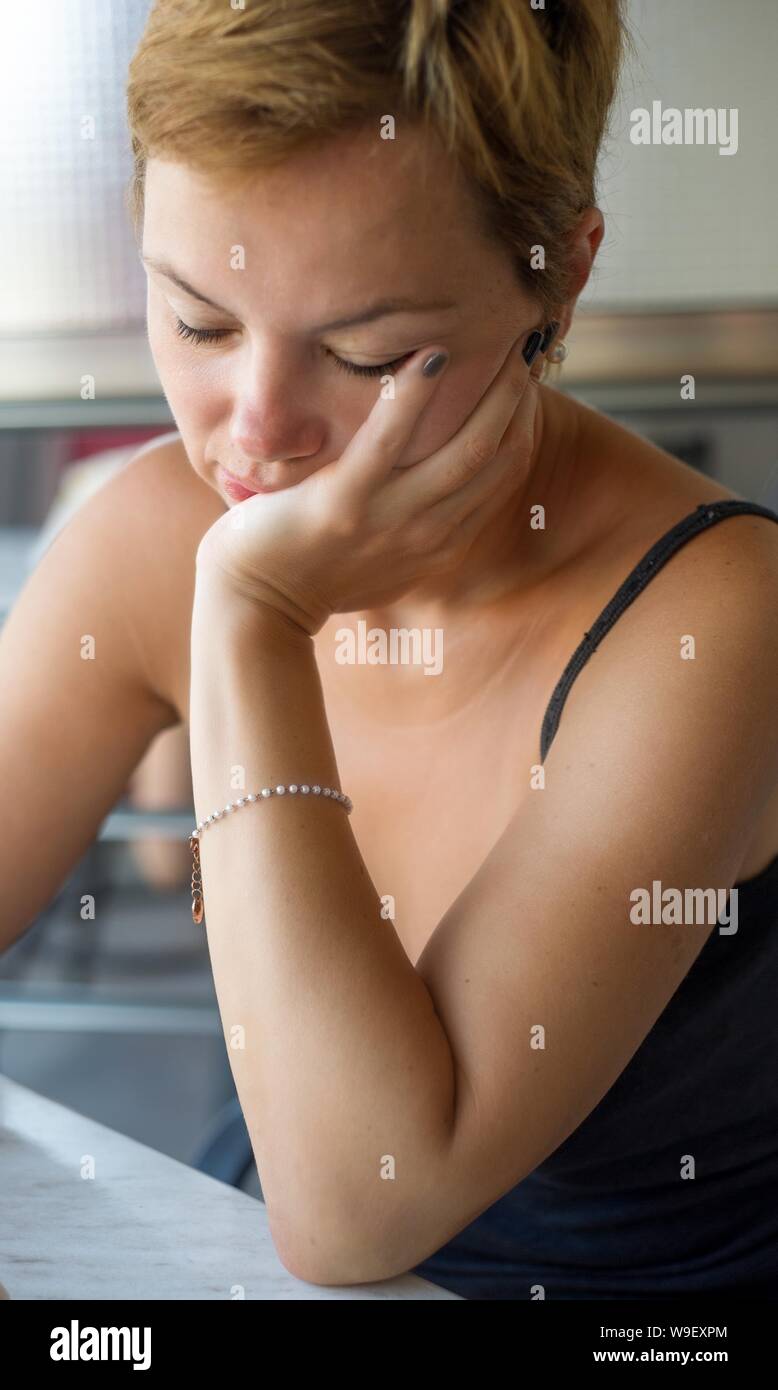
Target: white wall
[(686, 227), (67, 253)]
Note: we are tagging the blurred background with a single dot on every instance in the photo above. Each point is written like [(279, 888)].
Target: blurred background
[(117, 1018)]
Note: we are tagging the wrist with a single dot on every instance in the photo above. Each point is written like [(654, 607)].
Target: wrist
[(232, 613)]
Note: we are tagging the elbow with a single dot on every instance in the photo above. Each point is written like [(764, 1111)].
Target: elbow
[(313, 1253), (327, 1268), (336, 1233), (330, 1266)]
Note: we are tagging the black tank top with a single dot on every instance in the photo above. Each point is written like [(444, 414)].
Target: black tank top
[(607, 1215)]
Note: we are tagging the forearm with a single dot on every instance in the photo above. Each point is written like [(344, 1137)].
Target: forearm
[(338, 1056)]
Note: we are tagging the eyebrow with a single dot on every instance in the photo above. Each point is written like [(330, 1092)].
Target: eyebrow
[(397, 304)]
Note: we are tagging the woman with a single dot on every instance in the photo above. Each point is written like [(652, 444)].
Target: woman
[(460, 1044)]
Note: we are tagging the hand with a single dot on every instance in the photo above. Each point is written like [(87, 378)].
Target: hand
[(363, 530)]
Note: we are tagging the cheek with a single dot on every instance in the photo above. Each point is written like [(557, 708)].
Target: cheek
[(189, 398), (455, 399), (165, 348), (188, 386)]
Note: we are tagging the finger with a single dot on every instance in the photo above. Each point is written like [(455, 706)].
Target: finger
[(513, 456), (476, 442), (381, 439)]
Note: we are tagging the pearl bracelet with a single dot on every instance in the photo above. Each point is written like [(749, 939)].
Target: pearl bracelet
[(198, 906)]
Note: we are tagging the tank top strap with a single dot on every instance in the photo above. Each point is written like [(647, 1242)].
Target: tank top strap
[(705, 515)]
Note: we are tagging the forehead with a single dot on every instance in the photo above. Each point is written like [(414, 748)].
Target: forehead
[(351, 204)]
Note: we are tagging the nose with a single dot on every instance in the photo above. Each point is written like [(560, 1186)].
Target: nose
[(269, 426), (268, 442)]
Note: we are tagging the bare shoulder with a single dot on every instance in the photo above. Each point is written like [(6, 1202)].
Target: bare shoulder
[(161, 469), (643, 491), (724, 573), (165, 509), (714, 599)]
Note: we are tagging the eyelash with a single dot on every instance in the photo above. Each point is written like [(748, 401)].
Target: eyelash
[(210, 335)]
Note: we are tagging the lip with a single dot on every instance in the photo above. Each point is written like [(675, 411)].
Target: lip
[(236, 489)]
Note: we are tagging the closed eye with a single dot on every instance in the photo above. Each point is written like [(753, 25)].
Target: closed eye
[(211, 335), (200, 335), (358, 370)]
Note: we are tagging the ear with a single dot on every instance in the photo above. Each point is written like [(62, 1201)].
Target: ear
[(583, 243)]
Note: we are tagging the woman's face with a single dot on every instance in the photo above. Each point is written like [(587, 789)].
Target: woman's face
[(324, 237)]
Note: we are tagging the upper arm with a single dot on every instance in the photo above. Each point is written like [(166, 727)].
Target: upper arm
[(544, 983), (77, 705)]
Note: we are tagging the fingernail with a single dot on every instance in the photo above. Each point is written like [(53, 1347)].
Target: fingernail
[(532, 347), (435, 364)]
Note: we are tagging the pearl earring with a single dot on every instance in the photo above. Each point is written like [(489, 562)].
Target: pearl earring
[(558, 353)]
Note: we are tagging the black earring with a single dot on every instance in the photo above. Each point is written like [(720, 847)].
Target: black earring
[(552, 329), (540, 341), (532, 347)]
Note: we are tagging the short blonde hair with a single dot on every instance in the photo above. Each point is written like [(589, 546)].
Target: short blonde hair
[(520, 97)]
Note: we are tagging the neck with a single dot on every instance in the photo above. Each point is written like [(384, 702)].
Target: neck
[(508, 560)]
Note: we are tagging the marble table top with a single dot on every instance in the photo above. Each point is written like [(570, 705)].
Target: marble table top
[(86, 1213)]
